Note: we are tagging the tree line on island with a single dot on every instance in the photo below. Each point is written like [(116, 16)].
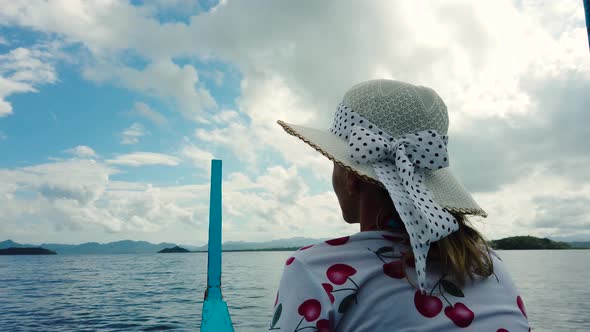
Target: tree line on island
[(529, 243), (141, 247)]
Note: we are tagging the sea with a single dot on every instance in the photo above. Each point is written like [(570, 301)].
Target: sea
[(164, 292)]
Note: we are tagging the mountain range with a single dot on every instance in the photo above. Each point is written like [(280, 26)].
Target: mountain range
[(119, 247), (143, 247)]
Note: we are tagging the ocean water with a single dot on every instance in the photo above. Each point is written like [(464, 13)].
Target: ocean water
[(159, 292)]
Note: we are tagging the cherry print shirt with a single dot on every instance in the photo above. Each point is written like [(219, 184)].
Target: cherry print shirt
[(366, 282)]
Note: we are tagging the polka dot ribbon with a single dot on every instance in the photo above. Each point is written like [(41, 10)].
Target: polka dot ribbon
[(399, 165)]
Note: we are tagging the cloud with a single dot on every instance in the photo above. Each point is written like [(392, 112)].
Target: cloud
[(22, 70), (279, 202), (540, 203), (516, 91), (565, 214), (264, 102), (162, 78), (226, 116), (493, 152), (132, 134), (78, 195), (65, 191), (80, 180), (82, 151), (144, 110), (200, 158), (137, 159)]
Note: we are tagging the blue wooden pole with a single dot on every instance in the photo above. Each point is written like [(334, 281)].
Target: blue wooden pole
[(214, 247), (587, 11), (215, 317)]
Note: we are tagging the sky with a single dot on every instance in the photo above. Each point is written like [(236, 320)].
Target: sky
[(111, 111)]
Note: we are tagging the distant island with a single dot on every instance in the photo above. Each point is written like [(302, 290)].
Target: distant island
[(529, 242), (26, 251), (94, 248), (143, 247), (290, 244), (175, 249)]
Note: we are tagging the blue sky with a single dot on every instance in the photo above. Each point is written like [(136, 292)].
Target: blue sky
[(111, 112)]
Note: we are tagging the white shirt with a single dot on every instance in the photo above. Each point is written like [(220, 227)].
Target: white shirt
[(364, 282)]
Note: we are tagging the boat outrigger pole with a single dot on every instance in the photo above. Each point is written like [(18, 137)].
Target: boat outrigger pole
[(215, 317), (587, 11)]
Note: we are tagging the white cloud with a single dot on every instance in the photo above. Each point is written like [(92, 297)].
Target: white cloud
[(22, 70), (132, 134), (279, 202), (265, 101), (539, 204), (226, 116), (200, 158), (144, 110), (136, 159), (82, 151), (78, 195), (65, 191), (162, 78), (80, 180), (488, 73), (3, 41)]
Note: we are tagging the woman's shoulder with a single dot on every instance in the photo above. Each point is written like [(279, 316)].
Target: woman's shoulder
[(351, 248)]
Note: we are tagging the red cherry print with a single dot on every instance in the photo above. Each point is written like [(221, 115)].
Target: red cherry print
[(289, 260), (338, 242), (427, 305), (338, 273), (277, 299), (394, 238), (310, 309), (323, 325), (394, 269), (328, 288), (460, 314), (521, 305), (306, 247), (502, 330)]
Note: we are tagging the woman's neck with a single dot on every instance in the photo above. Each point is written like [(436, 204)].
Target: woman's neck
[(374, 214)]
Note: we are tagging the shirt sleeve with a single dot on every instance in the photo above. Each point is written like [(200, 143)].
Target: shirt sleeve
[(302, 302)]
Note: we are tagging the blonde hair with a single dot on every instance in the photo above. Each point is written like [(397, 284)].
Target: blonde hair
[(463, 254)]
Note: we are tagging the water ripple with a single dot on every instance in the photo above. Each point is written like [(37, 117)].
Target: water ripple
[(165, 292)]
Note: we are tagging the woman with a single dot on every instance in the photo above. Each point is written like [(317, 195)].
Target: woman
[(416, 264)]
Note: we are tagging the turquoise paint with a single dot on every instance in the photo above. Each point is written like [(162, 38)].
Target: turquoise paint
[(214, 248), (215, 315), (587, 14)]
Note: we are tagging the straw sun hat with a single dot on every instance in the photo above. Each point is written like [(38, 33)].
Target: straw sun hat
[(395, 134)]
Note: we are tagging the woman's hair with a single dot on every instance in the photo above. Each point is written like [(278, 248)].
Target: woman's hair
[(462, 254)]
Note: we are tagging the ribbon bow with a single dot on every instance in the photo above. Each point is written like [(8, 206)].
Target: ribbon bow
[(427, 149), (399, 165)]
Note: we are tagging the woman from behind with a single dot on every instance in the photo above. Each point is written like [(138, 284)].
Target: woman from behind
[(416, 264)]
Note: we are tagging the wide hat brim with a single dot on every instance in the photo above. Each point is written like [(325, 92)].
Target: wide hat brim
[(446, 189)]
